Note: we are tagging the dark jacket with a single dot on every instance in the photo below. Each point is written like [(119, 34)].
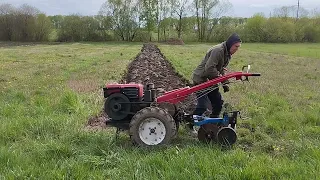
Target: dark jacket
[(213, 64)]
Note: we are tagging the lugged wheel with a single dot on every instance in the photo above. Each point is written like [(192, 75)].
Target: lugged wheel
[(152, 126)]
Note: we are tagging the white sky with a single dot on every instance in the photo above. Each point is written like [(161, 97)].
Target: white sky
[(244, 8)]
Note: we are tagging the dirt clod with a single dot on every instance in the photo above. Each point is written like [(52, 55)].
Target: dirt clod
[(151, 66)]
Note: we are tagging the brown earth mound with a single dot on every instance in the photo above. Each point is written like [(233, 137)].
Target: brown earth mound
[(12, 43), (151, 66), (175, 41)]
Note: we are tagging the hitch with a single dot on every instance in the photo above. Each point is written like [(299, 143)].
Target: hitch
[(229, 118)]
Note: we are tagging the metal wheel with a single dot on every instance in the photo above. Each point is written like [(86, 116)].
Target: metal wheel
[(152, 126), (152, 131), (226, 136), (207, 133)]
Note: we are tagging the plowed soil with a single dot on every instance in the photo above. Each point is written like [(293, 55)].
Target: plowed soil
[(151, 66)]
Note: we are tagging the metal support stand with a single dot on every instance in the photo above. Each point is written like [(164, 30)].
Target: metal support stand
[(117, 133)]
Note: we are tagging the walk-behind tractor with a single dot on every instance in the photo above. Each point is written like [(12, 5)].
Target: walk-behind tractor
[(152, 120)]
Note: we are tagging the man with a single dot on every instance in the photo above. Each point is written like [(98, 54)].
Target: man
[(212, 66)]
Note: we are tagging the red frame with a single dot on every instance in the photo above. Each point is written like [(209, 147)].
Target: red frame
[(178, 95)]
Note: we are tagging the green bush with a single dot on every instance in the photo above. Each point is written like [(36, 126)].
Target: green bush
[(141, 36), (254, 29), (278, 30), (222, 32)]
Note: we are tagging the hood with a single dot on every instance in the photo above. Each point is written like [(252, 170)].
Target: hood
[(232, 39)]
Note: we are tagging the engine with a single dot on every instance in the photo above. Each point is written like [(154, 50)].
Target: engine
[(124, 100)]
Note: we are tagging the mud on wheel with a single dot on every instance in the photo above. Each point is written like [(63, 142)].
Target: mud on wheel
[(152, 126)]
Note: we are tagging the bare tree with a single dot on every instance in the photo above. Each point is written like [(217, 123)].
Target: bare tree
[(149, 15), (124, 15), (208, 13), (216, 15), (179, 8), (315, 12), (303, 12), (6, 22), (26, 21), (284, 11), (162, 13)]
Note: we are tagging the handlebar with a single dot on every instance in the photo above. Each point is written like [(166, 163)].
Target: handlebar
[(248, 68), (255, 74), (247, 72), (178, 95)]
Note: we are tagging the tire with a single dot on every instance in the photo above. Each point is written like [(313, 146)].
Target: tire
[(152, 126)]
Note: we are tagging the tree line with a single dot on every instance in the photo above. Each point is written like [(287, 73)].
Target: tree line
[(159, 20)]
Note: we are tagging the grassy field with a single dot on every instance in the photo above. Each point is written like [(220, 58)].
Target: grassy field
[(48, 92), (298, 50)]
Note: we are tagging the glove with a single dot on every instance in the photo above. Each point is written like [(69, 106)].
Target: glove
[(225, 88)]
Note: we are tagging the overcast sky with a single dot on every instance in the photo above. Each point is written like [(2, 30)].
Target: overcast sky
[(243, 8)]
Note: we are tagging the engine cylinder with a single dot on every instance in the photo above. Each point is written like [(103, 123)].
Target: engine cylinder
[(149, 93)]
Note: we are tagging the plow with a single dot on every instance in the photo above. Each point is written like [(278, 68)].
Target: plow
[(152, 120)]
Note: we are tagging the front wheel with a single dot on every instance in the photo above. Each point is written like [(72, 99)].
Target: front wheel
[(152, 126)]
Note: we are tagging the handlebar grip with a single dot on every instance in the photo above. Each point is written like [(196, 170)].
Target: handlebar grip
[(255, 74)]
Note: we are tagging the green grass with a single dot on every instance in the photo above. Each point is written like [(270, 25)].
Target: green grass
[(310, 50), (282, 105), (48, 92), (298, 50)]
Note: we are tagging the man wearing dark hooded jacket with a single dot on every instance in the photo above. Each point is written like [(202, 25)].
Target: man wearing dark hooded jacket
[(212, 66)]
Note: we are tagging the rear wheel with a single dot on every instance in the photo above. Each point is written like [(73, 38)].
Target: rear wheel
[(152, 126)]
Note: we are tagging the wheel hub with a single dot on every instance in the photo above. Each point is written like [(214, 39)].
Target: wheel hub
[(152, 131), (116, 107)]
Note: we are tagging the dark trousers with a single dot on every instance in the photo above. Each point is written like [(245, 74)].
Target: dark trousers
[(213, 98)]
